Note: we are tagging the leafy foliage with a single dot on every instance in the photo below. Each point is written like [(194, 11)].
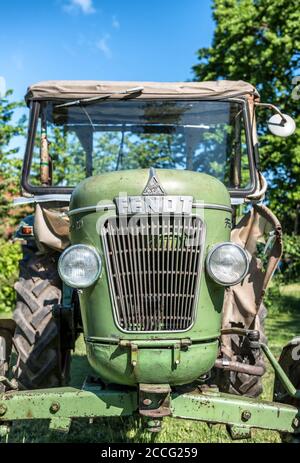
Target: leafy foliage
[(259, 41), (10, 162), (11, 128), (288, 271), (290, 263), (10, 254)]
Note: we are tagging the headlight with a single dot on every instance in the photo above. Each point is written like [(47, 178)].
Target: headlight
[(79, 266), (227, 264)]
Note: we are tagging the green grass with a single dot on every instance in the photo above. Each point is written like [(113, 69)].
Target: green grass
[(282, 324)]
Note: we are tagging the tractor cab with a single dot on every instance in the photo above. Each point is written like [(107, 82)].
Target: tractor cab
[(91, 128)]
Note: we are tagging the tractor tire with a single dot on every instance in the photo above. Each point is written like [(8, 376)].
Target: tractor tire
[(241, 383), (290, 363), (7, 329), (40, 362)]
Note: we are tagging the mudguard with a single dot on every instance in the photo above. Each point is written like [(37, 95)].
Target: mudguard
[(7, 329), (290, 362)]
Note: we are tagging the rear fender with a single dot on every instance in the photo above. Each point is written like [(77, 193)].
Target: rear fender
[(290, 362)]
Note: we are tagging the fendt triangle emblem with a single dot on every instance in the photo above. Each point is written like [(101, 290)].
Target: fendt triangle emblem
[(153, 187)]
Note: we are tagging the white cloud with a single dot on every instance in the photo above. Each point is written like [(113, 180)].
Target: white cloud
[(115, 23), (103, 46), (84, 6)]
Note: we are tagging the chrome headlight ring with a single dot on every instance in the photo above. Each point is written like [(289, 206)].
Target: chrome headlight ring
[(80, 266), (227, 263)]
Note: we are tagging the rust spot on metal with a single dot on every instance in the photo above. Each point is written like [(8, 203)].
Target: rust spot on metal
[(147, 402), (55, 406), (206, 403), (246, 415), (29, 414), (154, 400), (7, 396), (3, 409)]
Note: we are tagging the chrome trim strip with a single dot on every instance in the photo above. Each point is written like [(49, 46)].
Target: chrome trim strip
[(70, 249), (109, 207), (99, 208), (151, 342), (212, 206), (237, 201), (41, 199), (213, 277)]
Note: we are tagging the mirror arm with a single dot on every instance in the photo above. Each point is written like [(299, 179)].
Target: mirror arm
[(274, 108)]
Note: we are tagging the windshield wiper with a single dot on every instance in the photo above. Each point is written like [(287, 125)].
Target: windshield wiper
[(94, 99)]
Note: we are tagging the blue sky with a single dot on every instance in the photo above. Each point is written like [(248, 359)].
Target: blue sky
[(101, 39)]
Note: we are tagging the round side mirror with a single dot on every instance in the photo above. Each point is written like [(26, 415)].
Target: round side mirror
[(281, 128)]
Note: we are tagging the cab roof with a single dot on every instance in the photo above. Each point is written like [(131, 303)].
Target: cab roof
[(81, 89)]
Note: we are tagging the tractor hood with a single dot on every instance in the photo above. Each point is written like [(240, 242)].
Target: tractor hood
[(108, 186), (151, 278)]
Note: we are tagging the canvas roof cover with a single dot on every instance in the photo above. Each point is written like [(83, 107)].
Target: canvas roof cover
[(81, 89)]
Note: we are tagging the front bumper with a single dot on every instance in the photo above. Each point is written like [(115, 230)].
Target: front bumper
[(61, 405)]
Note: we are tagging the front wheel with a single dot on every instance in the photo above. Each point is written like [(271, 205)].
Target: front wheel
[(40, 361)]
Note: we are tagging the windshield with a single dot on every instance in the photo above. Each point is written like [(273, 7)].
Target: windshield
[(110, 135)]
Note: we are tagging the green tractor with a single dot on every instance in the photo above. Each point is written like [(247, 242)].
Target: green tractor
[(138, 241)]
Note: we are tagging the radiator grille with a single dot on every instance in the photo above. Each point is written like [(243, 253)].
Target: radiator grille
[(154, 267)]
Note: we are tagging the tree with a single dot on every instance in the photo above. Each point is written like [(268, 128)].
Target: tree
[(10, 162), (259, 41)]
